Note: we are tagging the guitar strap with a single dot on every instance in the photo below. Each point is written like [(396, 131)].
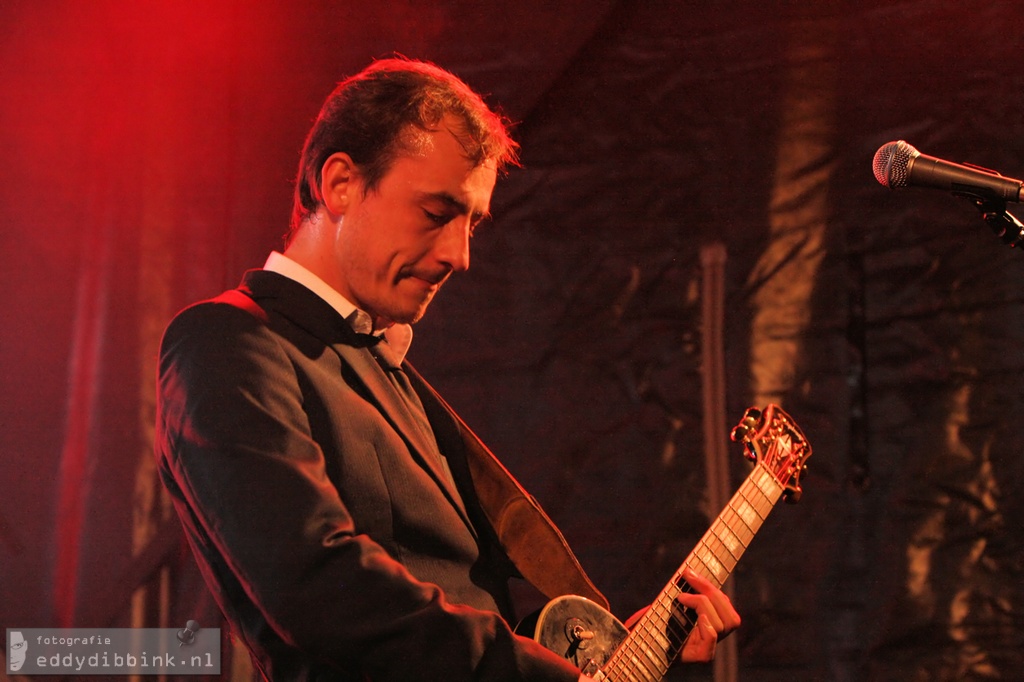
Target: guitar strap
[(527, 534)]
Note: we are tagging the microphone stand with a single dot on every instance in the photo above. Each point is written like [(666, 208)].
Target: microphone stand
[(993, 211)]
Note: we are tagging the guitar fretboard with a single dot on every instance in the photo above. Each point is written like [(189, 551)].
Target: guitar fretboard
[(649, 649)]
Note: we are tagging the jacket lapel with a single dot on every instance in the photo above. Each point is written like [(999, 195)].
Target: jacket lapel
[(397, 413), (307, 310)]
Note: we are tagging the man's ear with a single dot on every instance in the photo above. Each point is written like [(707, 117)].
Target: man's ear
[(339, 179)]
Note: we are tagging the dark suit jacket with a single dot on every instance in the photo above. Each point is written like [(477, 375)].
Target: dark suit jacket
[(321, 519)]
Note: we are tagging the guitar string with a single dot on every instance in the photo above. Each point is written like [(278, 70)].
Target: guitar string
[(663, 611), (641, 643), (644, 637), (676, 629)]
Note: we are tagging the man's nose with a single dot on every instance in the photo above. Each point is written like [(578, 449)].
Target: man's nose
[(452, 246)]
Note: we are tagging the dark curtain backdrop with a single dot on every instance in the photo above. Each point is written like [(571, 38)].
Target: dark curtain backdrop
[(146, 157)]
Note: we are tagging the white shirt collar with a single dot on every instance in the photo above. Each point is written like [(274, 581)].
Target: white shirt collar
[(399, 336)]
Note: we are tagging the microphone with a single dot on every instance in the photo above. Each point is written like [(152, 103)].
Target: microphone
[(898, 164)]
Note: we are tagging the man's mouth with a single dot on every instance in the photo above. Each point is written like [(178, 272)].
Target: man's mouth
[(430, 280)]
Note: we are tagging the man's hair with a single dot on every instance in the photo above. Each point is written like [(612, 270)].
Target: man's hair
[(373, 116)]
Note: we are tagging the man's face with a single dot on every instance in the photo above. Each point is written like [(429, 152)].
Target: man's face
[(400, 242)]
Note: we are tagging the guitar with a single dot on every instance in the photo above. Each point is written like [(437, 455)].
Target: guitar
[(601, 646)]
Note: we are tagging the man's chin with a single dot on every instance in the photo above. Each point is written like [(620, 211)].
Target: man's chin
[(410, 315), (416, 316), (404, 304), (416, 310)]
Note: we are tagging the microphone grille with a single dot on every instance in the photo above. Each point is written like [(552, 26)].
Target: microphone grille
[(892, 161)]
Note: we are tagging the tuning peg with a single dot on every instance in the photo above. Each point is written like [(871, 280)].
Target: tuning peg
[(741, 433)]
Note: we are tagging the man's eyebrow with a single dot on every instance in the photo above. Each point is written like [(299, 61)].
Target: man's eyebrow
[(459, 206)]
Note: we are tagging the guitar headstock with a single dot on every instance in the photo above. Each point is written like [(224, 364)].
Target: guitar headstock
[(771, 437)]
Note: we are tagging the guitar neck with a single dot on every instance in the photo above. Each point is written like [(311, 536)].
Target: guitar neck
[(651, 646), (718, 552)]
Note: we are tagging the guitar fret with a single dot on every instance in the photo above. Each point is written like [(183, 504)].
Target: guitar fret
[(733, 521), (716, 569), (730, 518), (649, 651), (731, 545), (720, 549), (745, 514), (630, 674), (659, 638), (763, 504), (753, 496), (649, 635), (758, 499), (707, 569), (649, 639), (767, 483), (678, 630), (660, 646), (726, 562), (749, 505), (660, 665), (640, 667), (662, 606)]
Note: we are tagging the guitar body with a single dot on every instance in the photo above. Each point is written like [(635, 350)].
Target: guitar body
[(577, 629)]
